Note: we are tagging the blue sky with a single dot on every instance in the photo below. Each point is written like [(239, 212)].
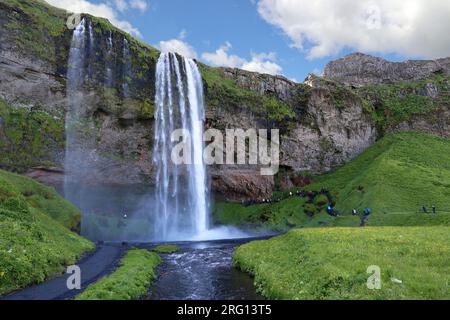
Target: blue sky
[(288, 37)]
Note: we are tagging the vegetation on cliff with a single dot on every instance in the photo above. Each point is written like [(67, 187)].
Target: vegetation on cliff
[(38, 28), (395, 177), (399, 102), (35, 240), (332, 263), (130, 281), (222, 91), (29, 137)]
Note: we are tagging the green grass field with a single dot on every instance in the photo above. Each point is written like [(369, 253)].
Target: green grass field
[(331, 263), (130, 281), (395, 177), (35, 240)]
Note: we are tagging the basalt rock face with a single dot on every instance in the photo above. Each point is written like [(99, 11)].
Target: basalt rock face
[(325, 125), (359, 69), (410, 96)]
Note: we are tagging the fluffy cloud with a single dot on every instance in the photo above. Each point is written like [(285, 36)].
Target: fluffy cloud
[(221, 57), (260, 62), (101, 10), (416, 28), (263, 63), (179, 46)]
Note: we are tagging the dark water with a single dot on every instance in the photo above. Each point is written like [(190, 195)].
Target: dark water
[(203, 271)]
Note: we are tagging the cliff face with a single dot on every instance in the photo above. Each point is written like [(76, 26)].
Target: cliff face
[(359, 69), (405, 96), (323, 124)]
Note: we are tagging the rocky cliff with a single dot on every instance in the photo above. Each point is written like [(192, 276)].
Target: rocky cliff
[(360, 69), (323, 123), (405, 96)]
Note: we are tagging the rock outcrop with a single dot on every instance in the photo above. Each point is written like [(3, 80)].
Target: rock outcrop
[(360, 69)]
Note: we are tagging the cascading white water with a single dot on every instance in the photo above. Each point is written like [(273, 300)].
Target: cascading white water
[(76, 74), (109, 63), (182, 205), (126, 68)]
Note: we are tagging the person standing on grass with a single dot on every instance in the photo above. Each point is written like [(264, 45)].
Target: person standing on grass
[(434, 209), (366, 213), (424, 209)]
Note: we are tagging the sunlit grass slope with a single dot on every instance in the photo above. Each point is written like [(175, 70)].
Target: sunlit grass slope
[(331, 263), (35, 240)]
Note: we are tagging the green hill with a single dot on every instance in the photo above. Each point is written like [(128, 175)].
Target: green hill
[(395, 177), (35, 238)]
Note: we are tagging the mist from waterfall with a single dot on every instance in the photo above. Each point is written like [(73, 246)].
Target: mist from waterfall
[(182, 194)]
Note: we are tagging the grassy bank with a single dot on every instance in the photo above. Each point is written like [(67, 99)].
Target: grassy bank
[(331, 263), (166, 248), (35, 240), (394, 177), (130, 281)]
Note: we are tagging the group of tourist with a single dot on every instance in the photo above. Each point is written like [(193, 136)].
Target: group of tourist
[(298, 193), (425, 209)]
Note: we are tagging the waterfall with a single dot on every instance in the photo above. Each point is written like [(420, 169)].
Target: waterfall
[(109, 61), (126, 68), (181, 190), (76, 75)]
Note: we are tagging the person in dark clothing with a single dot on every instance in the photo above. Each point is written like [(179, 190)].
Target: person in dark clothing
[(424, 209), (366, 213), (434, 209)]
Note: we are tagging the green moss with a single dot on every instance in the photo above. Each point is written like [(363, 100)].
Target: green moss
[(28, 137), (130, 281), (35, 24), (332, 263), (35, 242), (166, 248), (395, 103)]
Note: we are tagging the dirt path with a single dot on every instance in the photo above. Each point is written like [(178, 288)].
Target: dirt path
[(96, 265)]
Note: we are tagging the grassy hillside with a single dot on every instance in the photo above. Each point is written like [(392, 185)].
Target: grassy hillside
[(131, 281), (35, 240), (331, 263), (394, 177)]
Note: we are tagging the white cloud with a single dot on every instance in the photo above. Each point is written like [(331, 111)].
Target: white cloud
[(260, 62), (221, 57), (263, 63), (416, 28), (140, 5), (178, 46), (100, 10)]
